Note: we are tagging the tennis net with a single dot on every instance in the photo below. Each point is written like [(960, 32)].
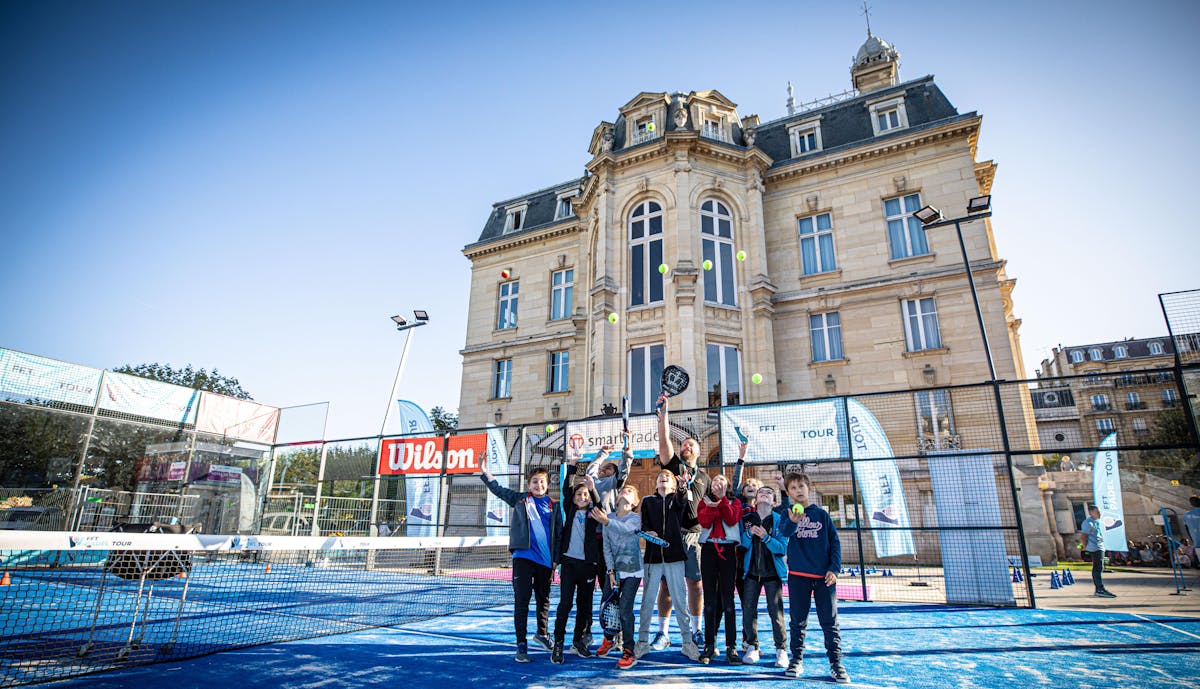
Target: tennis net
[(78, 603)]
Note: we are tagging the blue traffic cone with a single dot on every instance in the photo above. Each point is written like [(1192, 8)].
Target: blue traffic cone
[(890, 573), (1070, 576), (1017, 578), (1054, 582), (853, 572)]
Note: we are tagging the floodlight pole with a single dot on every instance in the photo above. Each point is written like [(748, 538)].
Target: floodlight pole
[(987, 350), (407, 327)]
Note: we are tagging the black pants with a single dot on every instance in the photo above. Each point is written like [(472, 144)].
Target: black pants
[(773, 588), (718, 568), (529, 578), (576, 582), (628, 587), (800, 591), (1098, 570)]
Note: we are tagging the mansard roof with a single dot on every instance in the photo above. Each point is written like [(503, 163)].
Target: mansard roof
[(538, 215), (1136, 348)]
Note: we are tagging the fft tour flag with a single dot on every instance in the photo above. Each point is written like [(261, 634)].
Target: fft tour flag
[(421, 493), (1106, 485)]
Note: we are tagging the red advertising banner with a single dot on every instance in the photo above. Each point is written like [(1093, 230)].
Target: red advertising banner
[(423, 456)]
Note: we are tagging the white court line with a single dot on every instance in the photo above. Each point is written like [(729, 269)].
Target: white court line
[(1163, 624)]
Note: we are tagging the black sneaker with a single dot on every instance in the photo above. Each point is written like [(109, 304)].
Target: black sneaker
[(580, 648), (522, 655), (794, 668), (1106, 594), (707, 655), (544, 641), (839, 674), (556, 653), (732, 656)]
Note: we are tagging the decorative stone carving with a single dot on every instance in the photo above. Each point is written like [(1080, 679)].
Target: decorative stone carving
[(901, 183), (606, 142), (749, 135), (681, 118), (811, 201)]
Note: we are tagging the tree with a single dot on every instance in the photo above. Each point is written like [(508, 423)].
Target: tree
[(1172, 429), (443, 420), (197, 379)]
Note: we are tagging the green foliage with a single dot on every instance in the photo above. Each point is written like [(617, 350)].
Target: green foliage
[(443, 420), (1172, 428), (197, 379)]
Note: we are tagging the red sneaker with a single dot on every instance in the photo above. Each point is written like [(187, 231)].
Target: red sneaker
[(627, 660), (606, 646)]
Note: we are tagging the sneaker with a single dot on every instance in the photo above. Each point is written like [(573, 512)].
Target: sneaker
[(628, 660), (1105, 594), (661, 642), (605, 646), (781, 658), (750, 657), (641, 648), (580, 648), (732, 657), (522, 655), (544, 641), (839, 674), (556, 654), (698, 638), (706, 655), (691, 650), (795, 668)]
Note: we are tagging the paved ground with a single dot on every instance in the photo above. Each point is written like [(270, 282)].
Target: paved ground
[(1139, 592)]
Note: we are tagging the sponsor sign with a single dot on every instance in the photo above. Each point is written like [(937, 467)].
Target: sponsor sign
[(804, 431), (1106, 484), (585, 438), (423, 456)]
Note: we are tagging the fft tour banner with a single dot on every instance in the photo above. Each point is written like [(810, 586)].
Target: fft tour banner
[(495, 461), (585, 438), (823, 430), (422, 494), (1106, 485)]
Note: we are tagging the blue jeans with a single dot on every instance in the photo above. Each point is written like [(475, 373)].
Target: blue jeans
[(629, 587), (800, 590)]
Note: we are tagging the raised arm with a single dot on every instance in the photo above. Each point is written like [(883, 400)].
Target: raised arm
[(666, 450), (736, 489), (508, 495)]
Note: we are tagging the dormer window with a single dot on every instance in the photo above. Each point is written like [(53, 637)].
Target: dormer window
[(515, 220), (1077, 357), (714, 128), (805, 137), (563, 208), (643, 130), (1096, 354), (888, 115), (1156, 348), (1121, 352)]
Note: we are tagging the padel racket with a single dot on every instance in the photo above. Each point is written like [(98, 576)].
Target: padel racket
[(674, 380), (741, 436), (625, 419), (652, 539), (610, 612)]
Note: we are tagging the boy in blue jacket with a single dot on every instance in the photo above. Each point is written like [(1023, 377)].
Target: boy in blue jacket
[(533, 540), (814, 557)]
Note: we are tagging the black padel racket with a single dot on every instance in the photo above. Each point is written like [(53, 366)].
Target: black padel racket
[(625, 419), (674, 380), (610, 612)]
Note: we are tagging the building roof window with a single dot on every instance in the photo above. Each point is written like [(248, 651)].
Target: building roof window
[(888, 115), (515, 218)]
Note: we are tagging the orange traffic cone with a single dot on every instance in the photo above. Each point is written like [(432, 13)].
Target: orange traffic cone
[(268, 569), (6, 580)]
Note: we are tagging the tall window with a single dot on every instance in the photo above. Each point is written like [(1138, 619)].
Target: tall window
[(921, 324), (506, 313), (935, 421), (816, 244), (1105, 425), (906, 235), (562, 293), (1100, 402), (1139, 427), (1133, 400), (645, 254), (646, 364), (1096, 354), (643, 130), (716, 229), (1076, 357), (560, 363), (826, 329), (1156, 348), (1169, 397), (502, 379), (724, 376), (714, 128)]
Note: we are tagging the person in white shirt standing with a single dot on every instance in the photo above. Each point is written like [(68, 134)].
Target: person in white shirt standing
[(1091, 536)]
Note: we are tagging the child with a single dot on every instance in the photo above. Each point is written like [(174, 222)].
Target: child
[(623, 557), (814, 557), (579, 556), (533, 540), (608, 477), (662, 514), (720, 518), (746, 492), (764, 569)]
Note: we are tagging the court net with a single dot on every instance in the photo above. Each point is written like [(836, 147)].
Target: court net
[(78, 603)]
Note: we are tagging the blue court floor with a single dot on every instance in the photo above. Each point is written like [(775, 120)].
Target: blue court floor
[(887, 645)]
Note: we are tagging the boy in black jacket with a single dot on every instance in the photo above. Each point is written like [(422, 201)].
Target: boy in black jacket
[(662, 515), (533, 540), (580, 555), (814, 558)]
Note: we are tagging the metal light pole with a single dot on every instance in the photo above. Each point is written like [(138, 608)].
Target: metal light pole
[(977, 209), (406, 326)]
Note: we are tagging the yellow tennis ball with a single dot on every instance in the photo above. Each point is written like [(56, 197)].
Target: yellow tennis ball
[(797, 508), (663, 268), (707, 264), (756, 378), (741, 255), (612, 317), (549, 428), (649, 126)]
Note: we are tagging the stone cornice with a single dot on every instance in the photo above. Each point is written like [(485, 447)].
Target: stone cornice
[(523, 342), (504, 243), (884, 282), (964, 128)]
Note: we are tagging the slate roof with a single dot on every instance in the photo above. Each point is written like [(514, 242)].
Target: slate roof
[(1137, 348), (540, 214)]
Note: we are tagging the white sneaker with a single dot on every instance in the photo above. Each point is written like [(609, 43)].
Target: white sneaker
[(781, 658), (750, 657), (691, 650), (640, 649)]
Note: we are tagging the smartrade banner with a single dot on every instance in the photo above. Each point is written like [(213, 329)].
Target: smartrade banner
[(824, 430), (1106, 485), (585, 438)]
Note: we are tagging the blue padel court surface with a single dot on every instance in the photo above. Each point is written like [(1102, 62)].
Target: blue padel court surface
[(887, 645)]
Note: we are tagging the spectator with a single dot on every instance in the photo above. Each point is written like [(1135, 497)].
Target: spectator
[(1191, 520), (1066, 464), (1135, 555)]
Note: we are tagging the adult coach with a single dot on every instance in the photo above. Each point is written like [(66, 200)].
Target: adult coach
[(1091, 535), (685, 466)]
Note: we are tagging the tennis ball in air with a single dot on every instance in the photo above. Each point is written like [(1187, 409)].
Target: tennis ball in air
[(741, 255), (797, 508), (649, 126), (549, 428), (707, 264), (612, 317), (756, 378), (663, 268)]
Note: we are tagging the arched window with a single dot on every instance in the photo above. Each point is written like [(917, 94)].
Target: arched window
[(716, 231), (1077, 357), (1120, 351), (1096, 354), (1156, 348), (645, 254)]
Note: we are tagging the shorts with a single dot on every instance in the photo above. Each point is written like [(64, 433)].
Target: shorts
[(691, 546)]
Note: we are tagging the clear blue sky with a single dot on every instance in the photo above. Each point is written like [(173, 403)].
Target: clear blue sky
[(257, 186)]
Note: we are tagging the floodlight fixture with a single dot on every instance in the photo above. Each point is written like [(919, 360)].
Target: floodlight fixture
[(928, 215), (980, 204), (421, 315), (400, 321)]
